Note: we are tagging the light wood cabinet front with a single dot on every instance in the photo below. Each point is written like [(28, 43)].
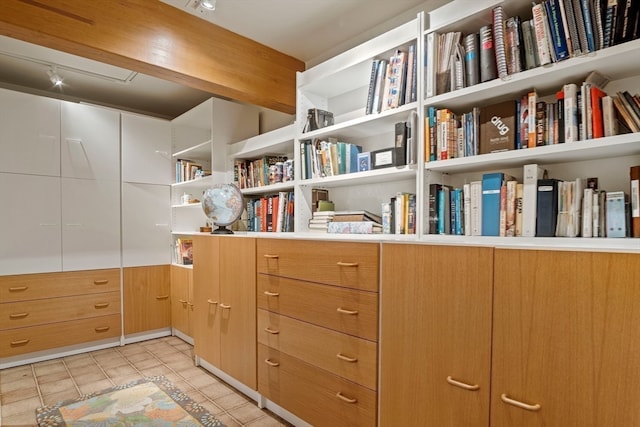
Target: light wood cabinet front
[(181, 299), (435, 335), (147, 298), (566, 339)]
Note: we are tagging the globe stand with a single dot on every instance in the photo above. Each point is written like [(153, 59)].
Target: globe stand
[(222, 230)]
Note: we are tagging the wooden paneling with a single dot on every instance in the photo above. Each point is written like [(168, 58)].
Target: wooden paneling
[(566, 337), (147, 298), (159, 40)]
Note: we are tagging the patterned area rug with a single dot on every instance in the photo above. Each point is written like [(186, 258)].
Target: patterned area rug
[(152, 401)]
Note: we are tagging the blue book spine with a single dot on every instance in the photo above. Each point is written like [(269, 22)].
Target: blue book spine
[(458, 212), (432, 140), (558, 35), (491, 183), (588, 25), (353, 150), (441, 211)]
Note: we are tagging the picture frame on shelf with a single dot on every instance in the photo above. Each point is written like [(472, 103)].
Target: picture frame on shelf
[(364, 161), (383, 158)]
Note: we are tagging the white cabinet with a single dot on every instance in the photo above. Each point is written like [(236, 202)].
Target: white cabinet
[(90, 224), (146, 149), (146, 224), (90, 142), (29, 134), (30, 227)]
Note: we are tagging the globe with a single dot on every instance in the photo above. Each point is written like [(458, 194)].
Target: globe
[(222, 204)]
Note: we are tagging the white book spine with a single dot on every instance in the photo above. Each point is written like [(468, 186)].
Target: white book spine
[(466, 196), (476, 208), (570, 112), (542, 37), (587, 213), (532, 173)]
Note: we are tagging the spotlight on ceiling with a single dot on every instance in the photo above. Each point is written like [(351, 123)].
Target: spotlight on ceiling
[(203, 6), (54, 77)]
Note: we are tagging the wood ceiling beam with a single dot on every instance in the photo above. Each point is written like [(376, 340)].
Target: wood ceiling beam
[(154, 38)]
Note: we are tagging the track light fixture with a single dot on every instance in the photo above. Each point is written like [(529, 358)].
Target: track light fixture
[(203, 6), (52, 72)]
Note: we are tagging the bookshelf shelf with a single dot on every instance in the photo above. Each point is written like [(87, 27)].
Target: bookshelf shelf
[(198, 151)]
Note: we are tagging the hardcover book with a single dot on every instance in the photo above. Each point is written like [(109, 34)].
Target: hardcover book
[(634, 175), (491, 184), (498, 127), (488, 69), (472, 59), (547, 207), (616, 214), (531, 174)]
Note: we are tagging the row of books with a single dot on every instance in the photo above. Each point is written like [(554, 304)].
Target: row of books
[(274, 213), (321, 158), (188, 170), (345, 222), (267, 170), (393, 82), (499, 205), (577, 112), (556, 30), (399, 214)]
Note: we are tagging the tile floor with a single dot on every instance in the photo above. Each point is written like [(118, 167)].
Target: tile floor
[(25, 388)]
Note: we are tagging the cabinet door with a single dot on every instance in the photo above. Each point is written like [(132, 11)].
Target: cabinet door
[(30, 226), (146, 150), (238, 304), (181, 299), (206, 298), (147, 304), (435, 335), (90, 224), (566, 338), (29, 134), (146, 229), (90, 142)]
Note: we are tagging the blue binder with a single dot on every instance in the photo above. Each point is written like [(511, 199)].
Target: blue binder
[(491, 183)]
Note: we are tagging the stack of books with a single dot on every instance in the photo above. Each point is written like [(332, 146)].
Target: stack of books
[(355, 222), (320, 220)]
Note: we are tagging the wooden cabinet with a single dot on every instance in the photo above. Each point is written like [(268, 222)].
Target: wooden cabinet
[(225, 304), (317, 329), (182, 300), (565, 339), (146, 298), (53, 310), (435, 335)]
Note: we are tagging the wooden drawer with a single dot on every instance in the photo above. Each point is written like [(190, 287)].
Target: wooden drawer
[(348, 264), (345, 310), (344, 355), (37, 312), (316, 396), (44, 337), (47, 285)]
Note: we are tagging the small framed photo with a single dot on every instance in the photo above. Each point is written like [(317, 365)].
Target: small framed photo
[(364, 161), (383, 158)]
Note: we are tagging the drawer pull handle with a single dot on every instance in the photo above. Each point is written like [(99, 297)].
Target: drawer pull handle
[(272, 331), (471, 387), (18, 315), (225, 306), (20, 342), (346, 358), (510, 401), (18, 288), (210, 301), (100, 282), (345, 311), (182, 301), (271, 363), (101, 305), (162, 296), (345, 398), (268, 256), (190, 304), (271, 294), (347, 264), (102, 328)]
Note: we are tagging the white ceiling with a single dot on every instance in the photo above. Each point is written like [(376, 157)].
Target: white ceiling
[(309, 30)]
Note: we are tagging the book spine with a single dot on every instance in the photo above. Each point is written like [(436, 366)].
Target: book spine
[(472, 60), (499, 41), (558, 37), (513, 44), (585, 5), (491, 184), (582, 34), (532, 102), (518, 209), (587, 213), (530, 46), (531, 174), (572, 28), (476, 208), (488, 69), (547, 207), (634, 175), (542, 38), (372, 86), (570, 112), (616, 216)]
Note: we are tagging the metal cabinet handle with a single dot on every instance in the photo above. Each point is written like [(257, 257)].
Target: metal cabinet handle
[(347, 264), (100, 282), (162, 296), (18, 315), (18, 288), (210, 301), (345, 311), (271, 363), (101, 305), (346, 358), (272, 331), (471, 387), (271, 294), (345, 398), (527, 406), (102, 328), (20, 342), (268, 256), (225, 306)]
